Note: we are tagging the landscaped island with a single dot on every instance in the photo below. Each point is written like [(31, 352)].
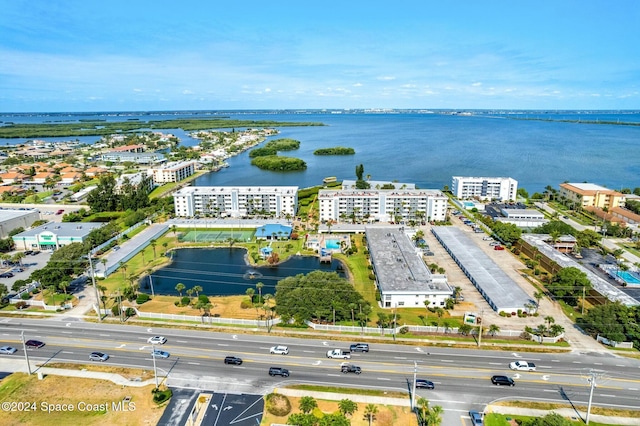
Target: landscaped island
[(272, 147), (337, 150), (102, 128), (279, 164)]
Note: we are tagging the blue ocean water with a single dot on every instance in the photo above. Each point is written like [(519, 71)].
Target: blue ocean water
[(536, 148)]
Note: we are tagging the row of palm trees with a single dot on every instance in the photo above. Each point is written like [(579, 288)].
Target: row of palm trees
[(5, 258), (429, 416)]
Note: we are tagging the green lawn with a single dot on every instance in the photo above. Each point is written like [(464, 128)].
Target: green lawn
[(501, 420)]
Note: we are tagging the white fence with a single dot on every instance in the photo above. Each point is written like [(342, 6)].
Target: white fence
[(411, 328), (614, 344), (207, 319)]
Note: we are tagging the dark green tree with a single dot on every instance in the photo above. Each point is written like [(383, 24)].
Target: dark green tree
[(315, 296), (568, 285)]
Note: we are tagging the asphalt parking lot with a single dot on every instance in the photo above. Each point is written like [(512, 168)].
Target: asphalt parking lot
[(30, 263)]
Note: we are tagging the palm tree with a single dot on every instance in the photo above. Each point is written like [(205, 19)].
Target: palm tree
[(52, 293), (556, 329), (102, 289), (423, 408), (434, 418), (63, 286), (104, 266), (179, 288), (17, 258), (307, 404), (347, 407), (197, 289), (174, 229), (259, 287), (538, 295), (370, 412), (550, 320), (250, 292), (124, 267), (190, 293), (153, 244), (541, 330), (493, 329)]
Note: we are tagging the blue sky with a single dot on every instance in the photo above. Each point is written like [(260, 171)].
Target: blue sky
[(169, 55)]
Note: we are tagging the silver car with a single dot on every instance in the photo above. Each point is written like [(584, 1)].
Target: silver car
[(8, 350), (98, 356)]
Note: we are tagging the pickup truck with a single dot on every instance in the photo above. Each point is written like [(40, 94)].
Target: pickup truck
[(350, 368), (339, 354)]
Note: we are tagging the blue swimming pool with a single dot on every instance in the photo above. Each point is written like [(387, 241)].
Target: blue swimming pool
[(332, 244), (629, 277)]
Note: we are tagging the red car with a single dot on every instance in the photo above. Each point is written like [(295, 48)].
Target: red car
[(60, 211), (498, 248), (34, 344)]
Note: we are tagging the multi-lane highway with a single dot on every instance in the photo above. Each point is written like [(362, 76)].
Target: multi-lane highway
[(461, 377)]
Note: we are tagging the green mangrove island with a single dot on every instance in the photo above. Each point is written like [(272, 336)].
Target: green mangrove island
[(337, 150), (279, 164), (103, 128), (272, 147)]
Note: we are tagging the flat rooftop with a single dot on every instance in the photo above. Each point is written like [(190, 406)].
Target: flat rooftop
[(398, 266), (63, 229), (499, 290), (599, 284), (6, 214)]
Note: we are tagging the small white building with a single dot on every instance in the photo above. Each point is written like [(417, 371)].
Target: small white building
[(402, 277), (523, 218)]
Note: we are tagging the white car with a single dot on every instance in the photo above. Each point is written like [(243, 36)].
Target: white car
[(522, 366), (280, 350), (157, 339), (7, 350)]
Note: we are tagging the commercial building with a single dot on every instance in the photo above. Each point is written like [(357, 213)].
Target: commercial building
[(134, 157), (54, 235), (173, 172), (485, 188), (591, 195), (13, 219), (372, 205), (402, 277), (135, 180), (236, 201)]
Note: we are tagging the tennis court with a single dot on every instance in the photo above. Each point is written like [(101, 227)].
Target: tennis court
[(217, 236)]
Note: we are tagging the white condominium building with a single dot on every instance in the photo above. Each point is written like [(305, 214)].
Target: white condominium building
[(485, 188), (173, 172), (382, 205), (236, 201)]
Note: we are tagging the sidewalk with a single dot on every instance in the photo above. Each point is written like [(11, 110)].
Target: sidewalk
[(13, 366), (565, 412)]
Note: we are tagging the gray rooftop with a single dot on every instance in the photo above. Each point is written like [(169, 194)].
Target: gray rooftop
[(500, 291), (63, 229), (599, 284), (397, 264), (6, 214)]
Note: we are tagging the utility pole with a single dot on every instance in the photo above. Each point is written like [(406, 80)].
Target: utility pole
[(413, 392), (583, 294), (155, 370), (592, 380), (95, 288), (26, 354)]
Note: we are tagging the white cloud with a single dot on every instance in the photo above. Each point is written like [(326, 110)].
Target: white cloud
[(386, 78), (477, 84), (187, 92)]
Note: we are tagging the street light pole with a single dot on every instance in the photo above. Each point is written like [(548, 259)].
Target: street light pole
[(155, 370), (26, 354), (93, 281), (413, 392)]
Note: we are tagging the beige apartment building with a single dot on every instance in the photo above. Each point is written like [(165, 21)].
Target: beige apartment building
[(591, 195), (173, 172)]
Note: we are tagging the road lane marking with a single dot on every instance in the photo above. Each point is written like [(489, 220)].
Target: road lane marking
[(382, 378), (577, 362), (495, 363), (104, 335), (309, 352), (607, 395), (222, 344), (555, 360), (181, 341), (597, 363), (399, 357), (194, 363)]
